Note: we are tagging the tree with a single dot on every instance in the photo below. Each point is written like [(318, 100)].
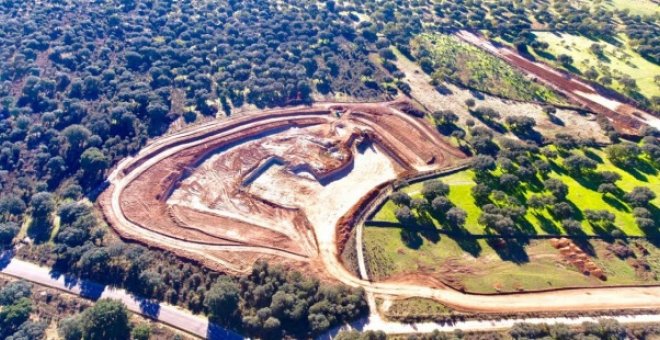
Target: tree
[(8, 231), (107, 319), (14, 291), (75, 138), (480, 192), (640, 196), (432, 189), (483, 163), (404, 215), (579, 165), (400, 198), (571, 226), (565, 141), (12, 316), (29, 330), (12, 205), (42, 204), (445, 117), (607, 188), (520, 124), (441, 204), (93, 164), (509, 182), (222, 299), (456, 216), (70, 328), (562, 210), (609, 177), (141, 331), (602, 218), (420, 204), (565, 59), (623, 154), (556, 187)]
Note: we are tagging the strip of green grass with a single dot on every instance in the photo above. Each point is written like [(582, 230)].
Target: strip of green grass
[(581, 193), (483, 271), (617, 60), (470, 66)]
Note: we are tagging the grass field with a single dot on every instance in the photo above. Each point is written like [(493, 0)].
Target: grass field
[(581, 193), (483, 271), (636, 7), (467, 65), (616, 60), (403, 309)]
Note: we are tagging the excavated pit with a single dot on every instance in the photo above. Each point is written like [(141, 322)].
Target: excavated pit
[(271, 185)]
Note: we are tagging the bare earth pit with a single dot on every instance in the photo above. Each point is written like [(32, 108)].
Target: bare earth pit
[(270, 185)]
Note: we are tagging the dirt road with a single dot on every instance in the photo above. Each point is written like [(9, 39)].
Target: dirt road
[(574, 299), (625, 117)]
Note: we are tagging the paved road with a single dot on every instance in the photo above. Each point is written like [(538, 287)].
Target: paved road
[(167, 314), (197, 325)]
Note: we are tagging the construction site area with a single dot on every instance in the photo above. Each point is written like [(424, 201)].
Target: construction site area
[(271, 185)]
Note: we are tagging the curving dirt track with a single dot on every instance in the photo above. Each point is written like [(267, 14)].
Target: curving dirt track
[(275, 185), (626, 118)]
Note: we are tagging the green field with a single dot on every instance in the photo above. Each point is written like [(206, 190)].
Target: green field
[(615, 62), (467, 65), (581, 193), (483, 270), (636, 7)]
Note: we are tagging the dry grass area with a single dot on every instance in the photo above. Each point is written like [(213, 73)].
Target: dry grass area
[(423, 91)]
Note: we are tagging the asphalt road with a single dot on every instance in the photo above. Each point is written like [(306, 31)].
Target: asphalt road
[(167, 314), (200, 326)]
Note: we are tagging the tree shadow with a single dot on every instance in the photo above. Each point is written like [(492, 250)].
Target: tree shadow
[(580, 238), (545, 54), (547, 225), (443, 90), (645, 167), (593, 156), (577, 213), (477, 94), (510, 249), (39, 230), (615, 203), (411, 238), (556, 120), (589, 180), (529, 135), (633, 172), (525, 226), (497, 126)]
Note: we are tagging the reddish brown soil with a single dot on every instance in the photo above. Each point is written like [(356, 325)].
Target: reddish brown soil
[(191, 187), (625, 118)]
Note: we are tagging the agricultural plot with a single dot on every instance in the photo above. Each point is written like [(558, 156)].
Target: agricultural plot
[(461, 63)]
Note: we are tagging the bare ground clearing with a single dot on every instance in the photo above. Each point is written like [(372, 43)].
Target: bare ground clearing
[(572, 122)]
